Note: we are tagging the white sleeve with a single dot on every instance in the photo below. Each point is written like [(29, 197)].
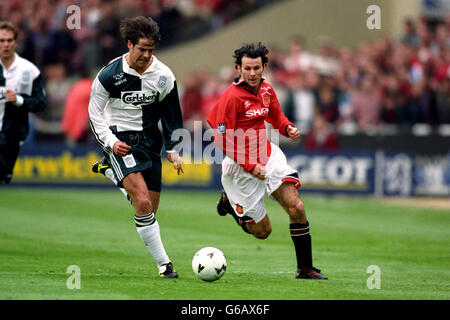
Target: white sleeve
[(99, 99), (168, 79)]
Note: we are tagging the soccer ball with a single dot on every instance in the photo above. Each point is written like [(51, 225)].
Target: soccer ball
[(209, 264)]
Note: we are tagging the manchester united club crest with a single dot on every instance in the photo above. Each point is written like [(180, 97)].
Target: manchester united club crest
[(266, 98), (239, 209)]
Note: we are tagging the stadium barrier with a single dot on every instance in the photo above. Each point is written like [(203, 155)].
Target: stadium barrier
[(371, 173)]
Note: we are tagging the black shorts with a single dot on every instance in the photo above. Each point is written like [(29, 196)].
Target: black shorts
[(139, 159), (9, 151)]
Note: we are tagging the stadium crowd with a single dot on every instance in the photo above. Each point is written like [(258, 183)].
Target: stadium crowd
[(65, 55), (398, 81), (46, 37), (401, 81)]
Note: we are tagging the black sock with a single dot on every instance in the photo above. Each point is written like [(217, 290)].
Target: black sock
[(302, 243), (242, 222)]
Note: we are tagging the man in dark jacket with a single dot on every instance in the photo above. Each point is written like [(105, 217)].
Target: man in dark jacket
[(21, 91)]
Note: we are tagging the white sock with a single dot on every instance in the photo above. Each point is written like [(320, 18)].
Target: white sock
[(151, 237), (110, 175)]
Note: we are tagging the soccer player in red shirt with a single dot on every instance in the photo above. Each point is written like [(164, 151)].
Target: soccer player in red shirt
[(253, 166)]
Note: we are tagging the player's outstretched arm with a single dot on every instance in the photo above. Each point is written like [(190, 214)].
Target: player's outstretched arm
[(293, 133), (175, 158)]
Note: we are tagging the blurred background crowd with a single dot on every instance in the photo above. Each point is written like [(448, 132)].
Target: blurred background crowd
[(393, 82)]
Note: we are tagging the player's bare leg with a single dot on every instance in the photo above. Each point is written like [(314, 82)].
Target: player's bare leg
[(289, 199), (260, 230), (136, 188), (145, 203), (287, 196), (154, 199)]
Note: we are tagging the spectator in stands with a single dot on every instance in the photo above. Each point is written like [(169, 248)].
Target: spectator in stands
[(211, 93), (322, 136), (423, 32), (86, 56), (108, 37), (297, 59), (36, 31), (57, 86), (325, 61), (441, 40), (75, 121), (441, 68), (346, 58), (327, 103), (300, 104), (421, 51), (366, 104), (391, 112), (276, 59), (191, 101), (394, 108), (443, 100), (60, 46), (423, 105), (409, 35), (170, 20)]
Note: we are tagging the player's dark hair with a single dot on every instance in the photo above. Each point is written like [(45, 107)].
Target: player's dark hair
[(6, 25), (251, 50), (139, 27)]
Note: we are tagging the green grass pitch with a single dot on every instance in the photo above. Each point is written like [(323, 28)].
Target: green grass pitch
[(44, 231)]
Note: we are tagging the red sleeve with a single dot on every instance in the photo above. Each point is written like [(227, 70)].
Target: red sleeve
[(276, 117), (224, 113), (223, 119)]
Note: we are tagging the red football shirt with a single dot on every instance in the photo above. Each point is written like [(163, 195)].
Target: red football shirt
[(238, 122)]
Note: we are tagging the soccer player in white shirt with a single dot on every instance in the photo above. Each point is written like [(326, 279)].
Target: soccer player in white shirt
[(129, 97), (21, 91)]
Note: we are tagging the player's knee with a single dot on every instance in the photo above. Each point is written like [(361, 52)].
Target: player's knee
[(299, 207), (297, 210), (142, 204), (263, 234)]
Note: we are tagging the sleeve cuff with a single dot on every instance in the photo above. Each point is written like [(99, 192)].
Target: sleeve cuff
[(112, 141), (19, 100)]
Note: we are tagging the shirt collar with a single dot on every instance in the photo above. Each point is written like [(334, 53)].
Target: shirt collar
[(126, 67), (241, 83), (13, 64)]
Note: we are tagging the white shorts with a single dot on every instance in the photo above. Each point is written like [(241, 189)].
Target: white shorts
[(246, 192)]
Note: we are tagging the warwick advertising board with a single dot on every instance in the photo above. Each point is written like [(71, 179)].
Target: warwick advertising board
[(72, 167)]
